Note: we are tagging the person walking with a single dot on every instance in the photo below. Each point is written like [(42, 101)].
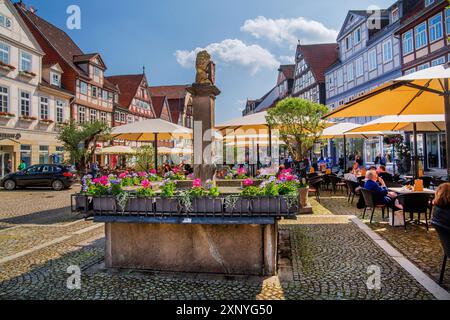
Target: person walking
[(22, 165)]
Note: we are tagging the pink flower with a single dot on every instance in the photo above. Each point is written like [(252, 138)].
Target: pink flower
[(104, 180), (197, 183), (241, 171), (96, 180), (142, 174), (175, 170), (153, 171), (290, 177), (122, 175), (248, 182), (145, 184)]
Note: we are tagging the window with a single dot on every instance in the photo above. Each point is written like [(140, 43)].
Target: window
[(350, 75), (4, 53), (447, 20), (105, 95), (387, 51), (359, 67), (423, 66), (340, 78), (130, 119), (25, 99), (4, 99), (25, 61), (408, 42), (44, 155), (122, 117), (435, 27), (5, 21), (83, 87), (81, 114), (59, 111), (25, 154), (372, 60), (94, 91), (93, 116), (97, 72), (438, 61), (348, 43), (56, 79), (357, 35), (103, 117), (117, 116), (43, 108), (421, 35), (428, 2), (394, 15)]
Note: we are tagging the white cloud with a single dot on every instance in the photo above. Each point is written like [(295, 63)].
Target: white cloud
[(287, 59), (289, 30), (232, 52)]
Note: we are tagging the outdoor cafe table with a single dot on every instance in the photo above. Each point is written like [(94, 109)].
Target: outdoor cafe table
[(406, 191)]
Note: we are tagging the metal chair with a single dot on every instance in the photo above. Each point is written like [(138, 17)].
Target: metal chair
[(444, 235), (415, 203), (352, 188), (369, 199), (336, 183), (314, 187)]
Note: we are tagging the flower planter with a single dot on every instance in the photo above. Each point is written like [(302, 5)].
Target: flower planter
[(140, 205), (82, 203), (184, 184), (207, 205), (105, 204), (46, 122), (7, 116), (167, 205), (6, 67), (289, 206), (27, 74), (267, 205), (240, 206)]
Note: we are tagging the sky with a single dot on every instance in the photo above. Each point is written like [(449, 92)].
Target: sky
[(248, 39)]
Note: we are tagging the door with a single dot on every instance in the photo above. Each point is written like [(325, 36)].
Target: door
[(2, 165), (31, 177)]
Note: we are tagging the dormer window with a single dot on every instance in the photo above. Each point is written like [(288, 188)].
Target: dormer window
[(5, 22), (348, 43), (55, 78), (395, 15)]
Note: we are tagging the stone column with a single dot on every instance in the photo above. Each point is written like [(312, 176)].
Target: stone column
[(203, 105)]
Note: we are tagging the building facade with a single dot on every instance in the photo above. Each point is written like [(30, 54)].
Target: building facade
[(424, 36), (311, 63), (82, 74), (32, 106)]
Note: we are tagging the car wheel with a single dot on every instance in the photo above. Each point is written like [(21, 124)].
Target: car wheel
[(57, 185), (9, 185)]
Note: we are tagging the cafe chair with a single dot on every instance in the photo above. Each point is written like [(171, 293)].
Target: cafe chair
[(337, 184), (427, 181), (369, 200), (444, 235), (314, 187), (415, 203), (352, 188)]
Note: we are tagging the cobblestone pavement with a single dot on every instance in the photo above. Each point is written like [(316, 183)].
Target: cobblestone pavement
[(419, 246), (327, 255)]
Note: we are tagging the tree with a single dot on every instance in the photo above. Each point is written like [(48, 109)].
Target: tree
[(81, 141), (299, 123), (145, 158)]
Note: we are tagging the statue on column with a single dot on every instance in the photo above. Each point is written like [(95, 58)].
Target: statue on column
[(205, 69)]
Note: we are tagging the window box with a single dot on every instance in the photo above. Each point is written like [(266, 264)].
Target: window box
[(27, 74), (6, 67), (46, 121), (207, 205), (167, 205), (105, 204), (140, 205), (7, 115), (28, 118)]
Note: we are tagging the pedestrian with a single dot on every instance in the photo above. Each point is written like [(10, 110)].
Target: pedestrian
[(22, 165), (94, 169), (8, 168)]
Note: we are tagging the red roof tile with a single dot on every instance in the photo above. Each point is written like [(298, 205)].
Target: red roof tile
[(288, 70), (128, 86), (319, 57), (171, 92), (158, 105)]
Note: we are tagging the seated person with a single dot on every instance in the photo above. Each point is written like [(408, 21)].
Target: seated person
[(373, 168), (441, 215), (378, 186), (356, 171), (382, 172), (350, 176)]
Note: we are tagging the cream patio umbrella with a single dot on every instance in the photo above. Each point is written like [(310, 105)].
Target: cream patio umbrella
[(117, 150), (151, 130), (422, 92)]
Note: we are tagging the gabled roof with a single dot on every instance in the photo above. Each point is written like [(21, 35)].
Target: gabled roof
[(171, 92), (176, 107), (319, 57), (158, 104), (128, 86), (288, 70), (86, 58), (364, 14)]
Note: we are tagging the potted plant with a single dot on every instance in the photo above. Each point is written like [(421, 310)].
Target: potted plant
[(104, 194), (27, 74), (82, 199), (28, 118), (268, 200), (143, 202), (242, 204), (167, 203), (6, 67), (46, 121), (205, 200), (7, 115)]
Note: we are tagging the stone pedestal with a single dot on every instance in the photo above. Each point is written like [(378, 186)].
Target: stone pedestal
[(239, 249), (203, 105)]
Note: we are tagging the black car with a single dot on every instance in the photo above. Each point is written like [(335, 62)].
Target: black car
[(57, 177)]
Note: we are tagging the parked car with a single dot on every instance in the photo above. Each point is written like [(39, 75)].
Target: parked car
[(57, 177)]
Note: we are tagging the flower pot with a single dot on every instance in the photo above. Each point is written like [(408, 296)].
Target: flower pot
[(303, 197), (82, 203), (140, 205), (240, 206), (266, 205), (167, 205), (105, 204), (207, 205)]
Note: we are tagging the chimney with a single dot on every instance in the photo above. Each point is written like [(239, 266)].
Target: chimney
[(32, 9)]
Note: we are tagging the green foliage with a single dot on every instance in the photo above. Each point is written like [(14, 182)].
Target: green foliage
[(251, 191), (145, 158), (168, 189), (198, 192), (299, 123), (81, 140), (116, 189), (214, 192), (270, 189), (145, 192), (288, 188)]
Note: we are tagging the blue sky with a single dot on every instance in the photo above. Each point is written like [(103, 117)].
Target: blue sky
[(247, 38)]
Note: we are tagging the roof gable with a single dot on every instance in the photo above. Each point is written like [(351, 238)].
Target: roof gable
[(319, 57), (354, 18), (128, 86), (171, 92), (162, 109)]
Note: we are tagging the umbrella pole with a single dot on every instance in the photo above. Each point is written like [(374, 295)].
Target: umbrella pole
[(447, 122), (257, 156), (345, 153), (156, 151), (416, 156), (270, 145)]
